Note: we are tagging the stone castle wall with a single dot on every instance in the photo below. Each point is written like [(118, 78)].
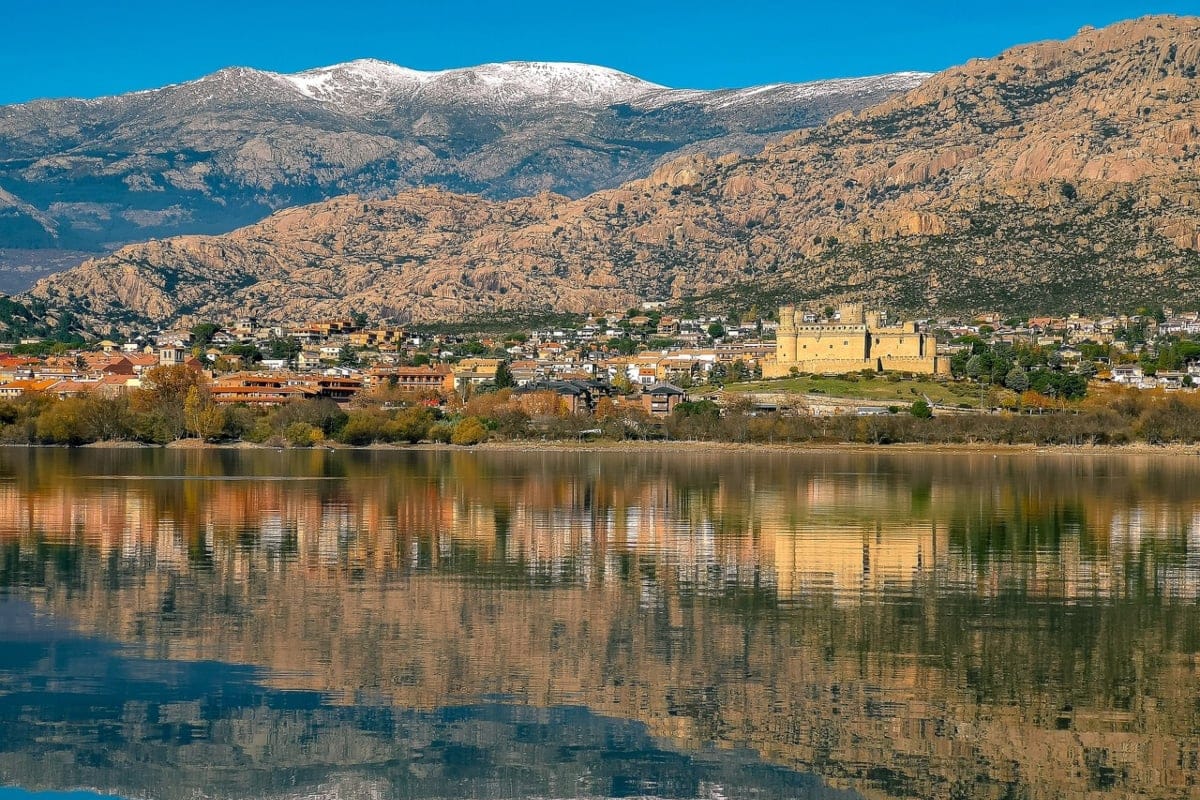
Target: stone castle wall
[(856, 342)]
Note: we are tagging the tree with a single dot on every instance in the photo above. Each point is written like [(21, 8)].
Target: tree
[(286, 348), (623, 345), (247, 352), (1169, 358), (921, 410), (605, 408), (323, 414), (105, 418), (162, 395), (716, 330), (738, 371), (202, 417), (410, 425), (469, 431), (975, 367), (504, 376), (301, 434), (363, 427), (544, 404), (62, 422), (202, 333), (1017, 380)]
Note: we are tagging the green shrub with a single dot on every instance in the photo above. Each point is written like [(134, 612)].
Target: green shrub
[(62, 423), (240, 421), (301, 434), (442, 432), (409, 425), (363, 428), (260, 432), (469, 431), (324, 414)]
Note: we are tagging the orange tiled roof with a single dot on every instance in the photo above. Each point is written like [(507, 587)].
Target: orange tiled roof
[(26, 385)]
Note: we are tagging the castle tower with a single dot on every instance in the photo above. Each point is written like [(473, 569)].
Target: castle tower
[(851, 314), (785, 336)]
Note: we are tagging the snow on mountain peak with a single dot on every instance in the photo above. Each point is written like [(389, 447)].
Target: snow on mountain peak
[(364, 82), (370, 86), (371, 82), (531, 80)]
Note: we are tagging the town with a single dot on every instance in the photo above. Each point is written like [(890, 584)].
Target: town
[(640, 364)]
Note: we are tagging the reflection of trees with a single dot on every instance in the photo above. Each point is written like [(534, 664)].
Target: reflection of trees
[(651, 587)]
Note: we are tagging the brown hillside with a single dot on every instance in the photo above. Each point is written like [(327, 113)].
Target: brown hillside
[(1057, 175)]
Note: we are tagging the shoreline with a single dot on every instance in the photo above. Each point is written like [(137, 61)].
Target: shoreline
[(678, 446)]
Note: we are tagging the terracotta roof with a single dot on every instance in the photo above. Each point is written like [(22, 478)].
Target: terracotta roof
[(27, 385)]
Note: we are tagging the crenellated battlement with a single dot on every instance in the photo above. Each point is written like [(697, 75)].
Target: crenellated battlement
[(855, 339)]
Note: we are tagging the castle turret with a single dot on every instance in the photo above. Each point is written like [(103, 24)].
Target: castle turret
[(785, 335), (850, 314)]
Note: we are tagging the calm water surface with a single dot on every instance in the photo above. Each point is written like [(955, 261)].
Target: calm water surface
[(681, 625)]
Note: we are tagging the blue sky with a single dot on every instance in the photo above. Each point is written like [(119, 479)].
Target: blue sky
[(86, 48)]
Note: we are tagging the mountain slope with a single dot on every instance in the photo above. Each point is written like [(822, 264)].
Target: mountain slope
[(226, 150), (1056, 176)]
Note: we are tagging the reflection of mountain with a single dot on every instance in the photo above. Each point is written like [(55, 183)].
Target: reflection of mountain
[(786, 525), (949, 626), (77, 712)]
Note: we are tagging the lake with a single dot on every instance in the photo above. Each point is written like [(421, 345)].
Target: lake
[(561, 624)]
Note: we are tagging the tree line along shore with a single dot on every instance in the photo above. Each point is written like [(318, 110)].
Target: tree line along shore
[(174, 404)]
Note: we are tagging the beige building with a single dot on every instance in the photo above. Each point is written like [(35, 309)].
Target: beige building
[(856, 340)]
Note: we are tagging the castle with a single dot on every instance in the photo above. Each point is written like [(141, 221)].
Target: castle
[(856, 340)]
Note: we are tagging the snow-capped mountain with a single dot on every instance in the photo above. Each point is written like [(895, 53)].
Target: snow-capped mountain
[(369, 84), (226, 149)]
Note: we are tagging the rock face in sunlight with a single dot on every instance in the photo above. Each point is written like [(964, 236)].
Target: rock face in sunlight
[(226, 150), (1060, 175)]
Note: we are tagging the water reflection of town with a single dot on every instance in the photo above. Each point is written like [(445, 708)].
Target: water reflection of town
[(788, 527), (908, 625)]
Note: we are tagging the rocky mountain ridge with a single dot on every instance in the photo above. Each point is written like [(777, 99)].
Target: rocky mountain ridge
[(1056, 176), (228, 149)]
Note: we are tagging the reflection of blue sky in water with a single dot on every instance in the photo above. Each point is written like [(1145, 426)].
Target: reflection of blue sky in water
[(80, 712)]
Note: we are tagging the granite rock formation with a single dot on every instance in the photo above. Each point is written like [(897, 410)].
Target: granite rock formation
[(1056, 176)]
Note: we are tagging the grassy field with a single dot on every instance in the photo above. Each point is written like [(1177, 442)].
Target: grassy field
[(876, 388)]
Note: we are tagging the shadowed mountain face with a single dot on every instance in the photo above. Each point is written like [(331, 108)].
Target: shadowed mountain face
[(901, 625), (226, 150), (1056, 176)]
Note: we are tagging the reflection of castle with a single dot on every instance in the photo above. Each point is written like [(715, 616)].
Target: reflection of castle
[(855, 341), (934, 613)]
